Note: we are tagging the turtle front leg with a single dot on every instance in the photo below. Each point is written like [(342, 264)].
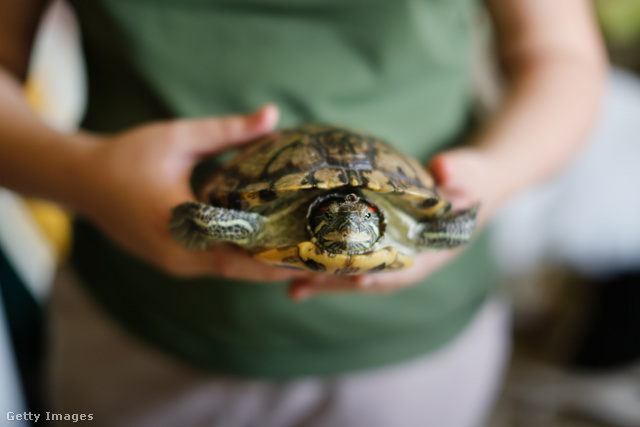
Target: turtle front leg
[(197, 225), (451, 230)]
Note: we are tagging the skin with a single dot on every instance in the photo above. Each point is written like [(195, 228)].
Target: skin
[(554, 65), (127, 183)]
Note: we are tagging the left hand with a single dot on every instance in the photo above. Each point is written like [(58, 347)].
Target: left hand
[(463, 177)]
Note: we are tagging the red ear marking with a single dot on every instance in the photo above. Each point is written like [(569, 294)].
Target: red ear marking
[(324, 208), (371, 209)]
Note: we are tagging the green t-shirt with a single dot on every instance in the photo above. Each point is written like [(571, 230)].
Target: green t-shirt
[(398, 69)]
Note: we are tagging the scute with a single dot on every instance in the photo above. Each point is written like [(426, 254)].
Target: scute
[(316, 157), (297, 156)]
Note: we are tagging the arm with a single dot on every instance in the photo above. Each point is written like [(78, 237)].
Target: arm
[(554, 64), (19, 127), (125, 183)]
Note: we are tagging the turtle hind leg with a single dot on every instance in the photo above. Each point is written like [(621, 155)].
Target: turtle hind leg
[(451, 230), (197, 225)]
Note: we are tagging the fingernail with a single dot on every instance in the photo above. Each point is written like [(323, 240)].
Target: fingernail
[(302, 294), (440, 168), (267, 116), (364, 282), (316, 279), (299, 274)]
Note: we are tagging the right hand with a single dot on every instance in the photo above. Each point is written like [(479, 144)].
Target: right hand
[(132, 180)]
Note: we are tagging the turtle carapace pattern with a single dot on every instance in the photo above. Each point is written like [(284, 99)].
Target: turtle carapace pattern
[(324, 199)]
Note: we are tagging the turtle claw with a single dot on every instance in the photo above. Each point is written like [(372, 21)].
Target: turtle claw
[(185, 233), (195, 241), (449, 231)]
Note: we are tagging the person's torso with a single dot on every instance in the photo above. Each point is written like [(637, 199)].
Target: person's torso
[(397, 69)]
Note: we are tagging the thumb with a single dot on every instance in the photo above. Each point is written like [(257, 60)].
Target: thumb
[(211, 135), (456, 168), (460, 175)]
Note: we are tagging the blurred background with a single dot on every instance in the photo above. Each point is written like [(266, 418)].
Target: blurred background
[(569, 252)]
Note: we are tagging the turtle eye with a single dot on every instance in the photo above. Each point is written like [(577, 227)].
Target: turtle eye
[(367, 215)]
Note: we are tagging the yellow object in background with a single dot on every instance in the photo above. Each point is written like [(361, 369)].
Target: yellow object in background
[(34, 94), (54, 222)]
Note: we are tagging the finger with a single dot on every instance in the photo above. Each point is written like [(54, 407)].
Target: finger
[(451, 169), (208, 136), (458, 174), (247, 268), (231, 262), (378, 283), (425, 263), (456, 168), (441, 169), (308, 287)]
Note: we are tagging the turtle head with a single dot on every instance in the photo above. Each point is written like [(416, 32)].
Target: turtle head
[(344, 224)]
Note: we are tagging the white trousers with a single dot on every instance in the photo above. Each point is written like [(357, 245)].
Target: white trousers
[(97, 368)]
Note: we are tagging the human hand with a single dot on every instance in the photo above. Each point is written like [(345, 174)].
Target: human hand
[(132, 180), (463, 177)]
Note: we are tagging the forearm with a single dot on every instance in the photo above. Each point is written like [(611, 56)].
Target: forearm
[(554, 64), (34, 158), (550, 107)]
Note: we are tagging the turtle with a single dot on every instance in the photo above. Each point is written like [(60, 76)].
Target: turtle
[(324, 199)]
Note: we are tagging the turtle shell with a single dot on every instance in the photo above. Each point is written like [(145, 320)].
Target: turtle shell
[(316, 157)]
